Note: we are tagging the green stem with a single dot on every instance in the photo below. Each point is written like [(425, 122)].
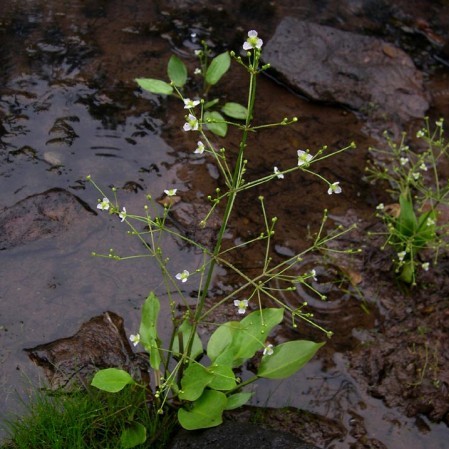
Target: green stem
[(236, 181)]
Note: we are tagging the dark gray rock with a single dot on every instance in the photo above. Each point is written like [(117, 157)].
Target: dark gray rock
[(100, 343), (237, 435), (361, 72), (38, 216)]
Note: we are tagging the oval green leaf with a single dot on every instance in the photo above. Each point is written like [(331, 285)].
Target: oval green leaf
[(206, 412), (215, 123), (177, 71), (223, 375), (254, 330), (111, 380), (217, 68), (134, 435), (221, 339), (235, 110), (237, 400), (155, 86), (148, 329), (194, 381), (287, 358)]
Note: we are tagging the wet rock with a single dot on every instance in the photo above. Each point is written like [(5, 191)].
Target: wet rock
[(100, 343), (361, 72), (38, 216), (231, 435)]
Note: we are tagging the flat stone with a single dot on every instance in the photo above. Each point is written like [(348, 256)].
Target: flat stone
[(41, 215), (361, 72), (234, 435)]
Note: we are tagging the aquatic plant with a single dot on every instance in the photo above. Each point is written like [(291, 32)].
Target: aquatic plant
[(415, 227), (200, 380)]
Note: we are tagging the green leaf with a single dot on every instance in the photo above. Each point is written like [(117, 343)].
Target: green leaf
[(235, 110), (217, 123), (155, 86), (287, 358), (206, 412), (211, 103), (195, 379), (177, 71), (217, 68), (407, 222), (426, 232), (148, 329), (223, 375), (134, 435), (408, 272), (221, 339), (237, 400), (254, 330), (184, 332), (111, 380)]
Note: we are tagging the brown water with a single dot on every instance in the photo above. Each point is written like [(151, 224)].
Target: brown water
[(69, 107)]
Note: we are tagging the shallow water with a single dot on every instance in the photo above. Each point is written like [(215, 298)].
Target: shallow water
[(69, 107)]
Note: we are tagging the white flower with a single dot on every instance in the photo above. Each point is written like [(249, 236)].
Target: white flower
[(416, 176), (241, 305), (189, 104), (198, 52), (334, 188), (430, 221), (122, 214), (304, 158), (439, 123), (200, 148), (170, 192), (183, 276), (135, 339), (423, 167), (278, 173), (380, 206), (268, 350), (313, 275), (401, 255), (103, 205), (197, 71), (191, 124), (253, 41), (420, 133), (425, 266), (403, 160)]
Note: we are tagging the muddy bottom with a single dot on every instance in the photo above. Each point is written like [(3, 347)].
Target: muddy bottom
[(69, 108)]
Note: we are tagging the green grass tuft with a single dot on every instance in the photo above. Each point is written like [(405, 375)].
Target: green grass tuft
[(86, 419)]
